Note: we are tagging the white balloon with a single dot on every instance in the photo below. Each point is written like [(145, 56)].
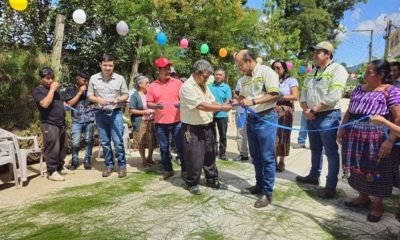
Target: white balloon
[(79, 16), (122, 28)]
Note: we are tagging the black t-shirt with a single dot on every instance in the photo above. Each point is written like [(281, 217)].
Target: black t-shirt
[(54, 114)]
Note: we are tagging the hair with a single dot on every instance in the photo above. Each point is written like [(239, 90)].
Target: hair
[(82, 75), (247, 55), (107, 58), (220, 70), (138, 78), (285, 68), (382, 67), (395, 64), (201, 66), (46, 71)]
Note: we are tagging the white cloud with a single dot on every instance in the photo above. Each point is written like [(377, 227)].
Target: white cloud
[(356, 14), (341, 33), (379, 24)]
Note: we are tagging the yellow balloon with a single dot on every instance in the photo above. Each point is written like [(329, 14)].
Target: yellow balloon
[(19, 5), (223, 52)]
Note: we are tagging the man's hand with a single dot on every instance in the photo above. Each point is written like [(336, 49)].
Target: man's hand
[(148, 111), (102, 102), (82, 89), (245, 102), (159, 106), (54, 86), (308, 114), (226, 107)]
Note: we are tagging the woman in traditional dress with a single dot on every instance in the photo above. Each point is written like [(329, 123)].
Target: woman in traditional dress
[(365, 150), (288, 92)]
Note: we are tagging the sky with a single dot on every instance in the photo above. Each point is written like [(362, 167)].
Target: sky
[(353, 47)]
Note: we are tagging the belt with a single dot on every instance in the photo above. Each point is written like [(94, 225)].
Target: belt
[(324, 113), (110, 110), (261, 114), (211, 124)]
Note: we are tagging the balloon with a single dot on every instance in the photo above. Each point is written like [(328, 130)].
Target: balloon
[(184, 43), (79, 16), (223, 52), (289, 65), (161, 38), (122, 28), (204, 48), (308, 70), (19, 5), (259, 60), (302, 69)]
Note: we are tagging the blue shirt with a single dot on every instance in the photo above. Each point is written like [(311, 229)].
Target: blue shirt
[(222, 93)]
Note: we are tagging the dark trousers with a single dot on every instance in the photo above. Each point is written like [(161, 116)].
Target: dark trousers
[(222, 126), (55, 146), (199, 152)]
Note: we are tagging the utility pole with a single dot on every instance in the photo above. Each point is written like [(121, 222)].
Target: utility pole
[(387, 38), (370, 41)]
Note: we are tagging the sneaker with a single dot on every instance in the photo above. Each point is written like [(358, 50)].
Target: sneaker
[(298, 145), (55, 176), (65, 171), (241, 158), (307, 180), (73, 167), (216, 184), (195, 190), (223, 157)]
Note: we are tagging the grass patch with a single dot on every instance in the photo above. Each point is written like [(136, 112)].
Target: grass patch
[(167, 200), (232, 165), (76, 200), (206, 233)]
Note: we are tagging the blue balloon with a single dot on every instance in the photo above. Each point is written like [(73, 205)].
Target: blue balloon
[(302, 69), (161, 38)]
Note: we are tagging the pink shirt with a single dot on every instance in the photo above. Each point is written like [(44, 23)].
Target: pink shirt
[(167, 94)]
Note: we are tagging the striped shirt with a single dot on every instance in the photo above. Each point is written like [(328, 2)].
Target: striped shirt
[(375, 102)]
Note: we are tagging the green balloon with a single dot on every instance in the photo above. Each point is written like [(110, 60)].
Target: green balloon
[(204, 48)]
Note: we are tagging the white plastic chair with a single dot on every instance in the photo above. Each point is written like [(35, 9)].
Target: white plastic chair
[(7, 156), (22, 153)]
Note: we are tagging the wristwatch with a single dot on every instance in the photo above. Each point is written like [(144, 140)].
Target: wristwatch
[(253, 101)]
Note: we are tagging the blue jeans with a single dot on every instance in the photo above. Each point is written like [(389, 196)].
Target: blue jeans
[(163, 131), (111, 126), (261, 138), (76, 131), (302, 134), (325, 140)]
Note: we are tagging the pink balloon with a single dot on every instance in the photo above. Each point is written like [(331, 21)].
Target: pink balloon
[(184, 43), (289, 65), (308, 69)]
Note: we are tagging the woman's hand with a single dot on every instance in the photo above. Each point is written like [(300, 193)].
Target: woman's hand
[(385, 149), (377, 119), (340, 136)]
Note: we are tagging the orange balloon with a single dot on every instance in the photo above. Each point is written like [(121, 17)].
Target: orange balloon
[(223, 52)]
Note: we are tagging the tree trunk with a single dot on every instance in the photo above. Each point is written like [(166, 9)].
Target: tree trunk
[(58, 41), (135, 64)]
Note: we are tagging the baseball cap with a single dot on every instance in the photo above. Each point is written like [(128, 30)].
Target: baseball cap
[(325, 45), (162, 62)]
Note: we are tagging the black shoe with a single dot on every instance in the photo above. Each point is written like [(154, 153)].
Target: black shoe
[(252, 190), (352, 204), (87, 166), (216, 184), (307, 180), (195, 190), (223, 157), (73, 167), (373, 218), (263, 201), (241, 158), (327, 193)]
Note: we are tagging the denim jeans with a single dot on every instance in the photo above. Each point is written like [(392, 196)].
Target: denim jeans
[(302, 134), (77, 129), (261, 137), (325, 140), (163, 131), (111, 126)]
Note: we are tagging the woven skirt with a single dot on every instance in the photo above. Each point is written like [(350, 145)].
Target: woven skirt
[(285, 118), (368, 174), (146, 136)]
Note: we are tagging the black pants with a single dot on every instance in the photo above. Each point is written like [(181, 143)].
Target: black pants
[(55, 147), (222, 126), (199, 152)]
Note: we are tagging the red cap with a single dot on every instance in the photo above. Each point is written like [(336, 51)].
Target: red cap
[(162, 62)]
